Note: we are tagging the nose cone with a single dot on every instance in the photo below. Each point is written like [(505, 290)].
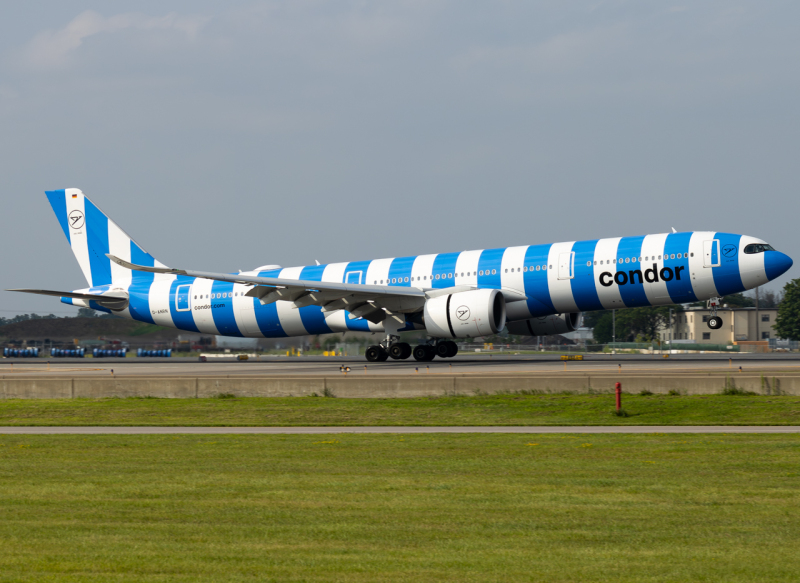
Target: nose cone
[(776, 263)]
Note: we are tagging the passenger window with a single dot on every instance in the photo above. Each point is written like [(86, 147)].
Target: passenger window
[(437, 276), (406, 280), (494, 271), (672, 256), (525, 269)]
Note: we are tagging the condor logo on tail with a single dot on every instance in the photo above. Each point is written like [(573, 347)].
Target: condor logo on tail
[(607, 278)]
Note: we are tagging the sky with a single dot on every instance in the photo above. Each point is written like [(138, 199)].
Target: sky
[(229, 135)]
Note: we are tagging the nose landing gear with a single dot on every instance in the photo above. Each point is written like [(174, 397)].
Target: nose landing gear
[(714, 322)]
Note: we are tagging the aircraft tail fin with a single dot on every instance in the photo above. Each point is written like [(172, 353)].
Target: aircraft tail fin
[(93, 236)]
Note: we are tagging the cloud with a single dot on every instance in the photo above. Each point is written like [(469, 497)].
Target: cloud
[(53, 48)]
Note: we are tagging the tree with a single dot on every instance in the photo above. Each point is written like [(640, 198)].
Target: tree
[(601, 327), (787, 324), (645, 322), (738, 301), (632, 323), (86, 313)]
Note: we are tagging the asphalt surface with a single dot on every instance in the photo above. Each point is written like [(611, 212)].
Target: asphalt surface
[(641, 429), (462, 364)]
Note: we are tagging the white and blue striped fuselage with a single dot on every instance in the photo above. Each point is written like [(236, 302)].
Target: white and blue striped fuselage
[(555, 278)]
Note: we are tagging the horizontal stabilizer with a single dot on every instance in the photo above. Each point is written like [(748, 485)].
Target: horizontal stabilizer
[(117, 301)]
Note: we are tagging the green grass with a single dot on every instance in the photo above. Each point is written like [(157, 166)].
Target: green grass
[(374, 508), (479, 410)]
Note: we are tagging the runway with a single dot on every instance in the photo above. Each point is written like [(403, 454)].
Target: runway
[(638, 429), (265, 366)]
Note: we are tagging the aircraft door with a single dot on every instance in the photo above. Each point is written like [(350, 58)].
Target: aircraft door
[(711, 253), (566, 265), (353, 277), (182, 298)]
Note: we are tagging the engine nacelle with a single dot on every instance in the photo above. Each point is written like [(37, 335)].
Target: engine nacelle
[(466, 314), (547, 325)]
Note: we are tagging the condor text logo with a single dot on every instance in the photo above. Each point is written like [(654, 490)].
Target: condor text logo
[(653, 275)]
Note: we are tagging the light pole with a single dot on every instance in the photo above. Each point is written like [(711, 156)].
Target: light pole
[(670, 329), (758, 325), (614, 326)]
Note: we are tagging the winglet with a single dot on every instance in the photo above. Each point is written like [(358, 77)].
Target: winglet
[(673, 230), (134, 267)]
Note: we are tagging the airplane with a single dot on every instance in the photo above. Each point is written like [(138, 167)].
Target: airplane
[(534, 290)]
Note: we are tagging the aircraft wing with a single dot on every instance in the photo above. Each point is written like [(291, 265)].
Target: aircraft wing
[(371, 302)]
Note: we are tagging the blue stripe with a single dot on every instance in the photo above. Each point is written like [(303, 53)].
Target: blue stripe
[(267, 315), (356, 324), (312, 316), (680, 290), (95, 306), (583, 287), (58, 200), (536, 287), (97, 239), (633, 294), (139, 289), (351, 272), (184, 319), (351, 276), (222, 308), (726, 277), (444, 265), (401, 269), (268, 321), (490, 260)]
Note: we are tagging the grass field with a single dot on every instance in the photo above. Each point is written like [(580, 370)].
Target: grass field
[(480, 410), (505, 508)]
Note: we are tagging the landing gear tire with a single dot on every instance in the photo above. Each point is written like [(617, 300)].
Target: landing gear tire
[(424, 353), (715, 322), (446, 349), (376, 354), (400, 350)]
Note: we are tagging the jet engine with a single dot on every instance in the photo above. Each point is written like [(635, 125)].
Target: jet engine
[(466, 314), (547, 325)]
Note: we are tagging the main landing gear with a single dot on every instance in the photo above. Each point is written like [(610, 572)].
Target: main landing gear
[(402, 350), (714, 322)]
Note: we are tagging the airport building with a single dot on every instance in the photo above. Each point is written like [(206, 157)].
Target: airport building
[(739, 325)]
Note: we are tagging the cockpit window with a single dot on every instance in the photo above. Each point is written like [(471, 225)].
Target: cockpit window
[(758, 248)]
